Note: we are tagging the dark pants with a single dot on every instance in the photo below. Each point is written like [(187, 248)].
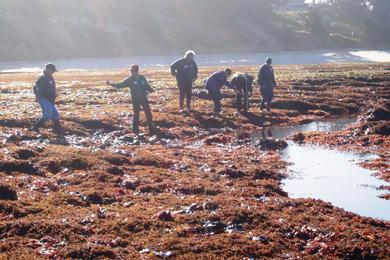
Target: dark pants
[(185, 90), (267, 92), (137, 104), (216, 96), (240, 103)]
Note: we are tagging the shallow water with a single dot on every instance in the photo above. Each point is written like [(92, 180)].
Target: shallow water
[(328, 125), (227, 59), (331, 175)]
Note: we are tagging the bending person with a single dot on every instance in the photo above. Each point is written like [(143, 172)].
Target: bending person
[(214, 84), (186, 72), (243, 83), (139, 89)]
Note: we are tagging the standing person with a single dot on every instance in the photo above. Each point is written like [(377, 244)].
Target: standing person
[(266, 80), (186, 72), (46, 93), (139, 89), (214, 84)]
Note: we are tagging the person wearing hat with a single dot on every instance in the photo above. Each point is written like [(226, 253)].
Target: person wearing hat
[(139, 89), (214, 84), (46, 93), (266, 80), (186, 72)]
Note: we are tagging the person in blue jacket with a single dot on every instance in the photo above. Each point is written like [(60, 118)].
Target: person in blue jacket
[(46, 93), (139, 89), (214, 84)]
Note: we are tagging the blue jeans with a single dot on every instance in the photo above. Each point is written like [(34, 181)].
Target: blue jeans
[(49, 110)]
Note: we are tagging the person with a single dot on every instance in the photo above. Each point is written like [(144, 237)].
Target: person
[(214, 84), (243, 83), (139, 89), (46, 94), (186, 72), (266, 80)]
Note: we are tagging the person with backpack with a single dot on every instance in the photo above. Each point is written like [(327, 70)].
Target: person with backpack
[(266, 80), (214, 84), (46, 93), (186, 72), (139, 90)]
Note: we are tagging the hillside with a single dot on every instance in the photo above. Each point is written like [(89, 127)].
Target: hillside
[(44, 29)]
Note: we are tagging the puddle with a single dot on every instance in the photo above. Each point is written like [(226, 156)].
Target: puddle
[(329, 125), (331, 175)]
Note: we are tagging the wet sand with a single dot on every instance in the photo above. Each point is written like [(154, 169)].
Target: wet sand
[(200, 188)]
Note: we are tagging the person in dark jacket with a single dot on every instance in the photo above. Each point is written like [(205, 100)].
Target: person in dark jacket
[(266, 80), (46, 93), (186, 72), (139, 89), (243, 83), (214, 84)]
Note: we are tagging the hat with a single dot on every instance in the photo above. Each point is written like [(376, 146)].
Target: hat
[(134, 67), (189, 53), (50, 66)]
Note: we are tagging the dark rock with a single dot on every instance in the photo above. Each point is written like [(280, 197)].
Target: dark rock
[(25, 154), (7, 192), (164, 123), (334, 110), (210, 205), (267, 174), (130, 184), (232, 173), (14, 123), (99, 198), (97, 124), (377, 114), (78, 164), (271, 144), (214, 227), (18, 166), (115, 171), (381, 128), (298, 138), (117, 160), (164, 216), (294, 105), (53, 167)]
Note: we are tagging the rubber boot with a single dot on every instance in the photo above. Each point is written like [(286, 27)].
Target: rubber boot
[(58, 128), (38, 125)]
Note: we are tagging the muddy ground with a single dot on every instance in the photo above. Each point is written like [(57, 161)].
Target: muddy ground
[(197, 189)]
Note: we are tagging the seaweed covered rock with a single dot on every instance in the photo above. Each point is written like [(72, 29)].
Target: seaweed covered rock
[(164, 216), (232, 173), (379, 128), (271, 144), (298, 138), (218, 139), (375, 121), (376, 114)]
